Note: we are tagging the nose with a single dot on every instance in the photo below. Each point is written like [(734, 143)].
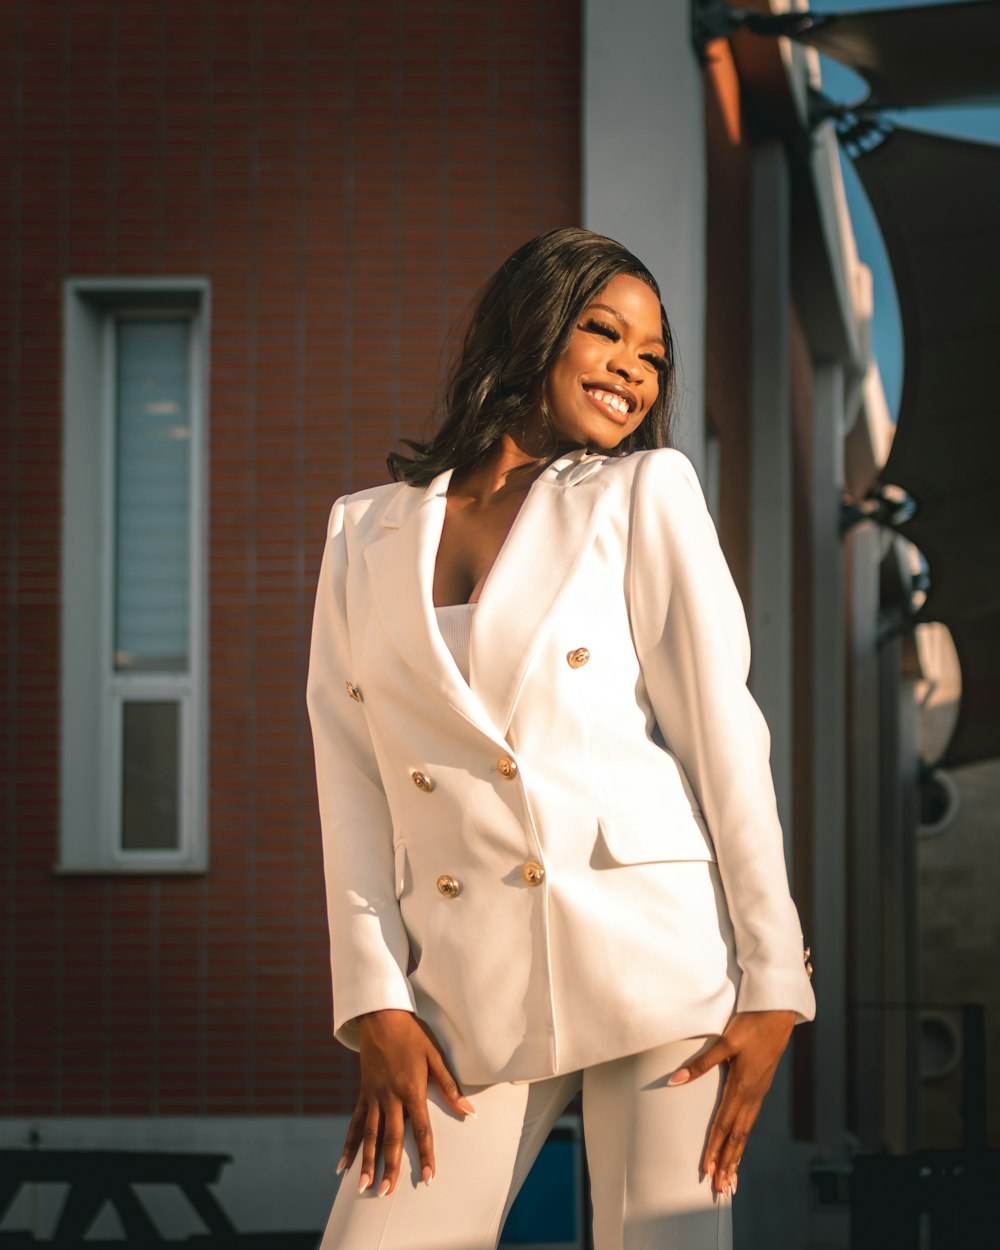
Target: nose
[(625, 364)]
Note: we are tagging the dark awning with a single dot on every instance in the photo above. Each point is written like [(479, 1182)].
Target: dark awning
[(937, 201), (917, 56), (914, 57)]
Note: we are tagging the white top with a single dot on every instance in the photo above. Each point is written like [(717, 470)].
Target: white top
[(455, 623)]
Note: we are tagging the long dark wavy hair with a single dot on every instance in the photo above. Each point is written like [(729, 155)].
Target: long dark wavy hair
[(520, 323)]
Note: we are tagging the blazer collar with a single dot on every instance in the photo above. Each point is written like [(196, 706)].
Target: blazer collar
[(551, 533), (407, 499)]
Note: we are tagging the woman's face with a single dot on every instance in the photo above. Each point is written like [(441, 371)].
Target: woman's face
[(608, 378)]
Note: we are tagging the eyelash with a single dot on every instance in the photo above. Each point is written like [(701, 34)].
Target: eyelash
[(602, 327)]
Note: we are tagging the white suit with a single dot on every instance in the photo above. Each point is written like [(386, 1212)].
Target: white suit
[(576, 855)]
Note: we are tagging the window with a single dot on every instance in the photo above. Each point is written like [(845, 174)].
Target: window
[(133, 769)]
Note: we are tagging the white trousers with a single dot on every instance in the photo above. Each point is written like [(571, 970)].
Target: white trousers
[(644, 1143)]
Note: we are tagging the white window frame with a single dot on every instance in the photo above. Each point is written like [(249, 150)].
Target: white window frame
[(92, 692)]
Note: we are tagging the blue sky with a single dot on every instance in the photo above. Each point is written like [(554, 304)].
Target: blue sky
[(981, 124)]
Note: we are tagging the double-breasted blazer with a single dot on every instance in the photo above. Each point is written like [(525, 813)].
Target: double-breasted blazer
[(574, 855)]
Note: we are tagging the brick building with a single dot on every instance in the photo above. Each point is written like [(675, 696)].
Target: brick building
[(236, 237)]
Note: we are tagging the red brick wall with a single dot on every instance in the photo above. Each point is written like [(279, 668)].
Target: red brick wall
[(345, 176)]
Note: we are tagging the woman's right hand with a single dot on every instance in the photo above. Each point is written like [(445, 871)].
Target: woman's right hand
[(399, 1054)]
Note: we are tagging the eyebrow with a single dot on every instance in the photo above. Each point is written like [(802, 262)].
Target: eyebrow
[(624, 320)]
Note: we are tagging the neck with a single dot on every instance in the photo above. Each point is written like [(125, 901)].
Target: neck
[(511, 465)]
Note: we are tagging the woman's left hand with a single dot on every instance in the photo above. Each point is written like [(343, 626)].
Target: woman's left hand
[(752, 1044)]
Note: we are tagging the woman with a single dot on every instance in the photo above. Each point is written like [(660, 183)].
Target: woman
[(552, 855)]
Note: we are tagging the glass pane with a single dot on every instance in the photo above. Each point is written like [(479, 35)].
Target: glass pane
[(150, 776), (152, 496)]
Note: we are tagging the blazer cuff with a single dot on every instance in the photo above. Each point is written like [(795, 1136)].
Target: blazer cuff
[(778, 991), (347, 1008)]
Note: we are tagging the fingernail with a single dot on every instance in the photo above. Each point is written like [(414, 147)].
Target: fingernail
[(467, 1107), (341, 1165), (679, 1077), (736, 1181), (427, 1175), (383, 1189), (710, 1171), (363, 1184)]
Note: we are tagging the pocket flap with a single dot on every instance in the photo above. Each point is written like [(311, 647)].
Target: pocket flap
[(674, 835)]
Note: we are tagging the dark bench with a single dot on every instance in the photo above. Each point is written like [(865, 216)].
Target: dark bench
[(97, 1177)]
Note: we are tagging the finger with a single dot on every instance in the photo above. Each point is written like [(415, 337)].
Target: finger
[(392, 1147), (736, 1140), (448, 1086), (369, 1150), (717, 1053), (352, 1139), (717, 1137), (729, 1158), (720, 1128), (423, 1136), (728, 1136)]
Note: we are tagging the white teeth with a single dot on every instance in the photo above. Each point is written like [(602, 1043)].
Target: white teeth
[(610, 399)]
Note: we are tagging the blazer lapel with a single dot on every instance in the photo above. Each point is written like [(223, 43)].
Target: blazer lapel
[(550, 535), (401, 577), (552, 532)]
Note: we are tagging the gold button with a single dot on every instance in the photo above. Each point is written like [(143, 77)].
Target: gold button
[(506, 767), (533, 872), (423, 782), (806, 954), (450, 887), (577, 658), (354, 692)]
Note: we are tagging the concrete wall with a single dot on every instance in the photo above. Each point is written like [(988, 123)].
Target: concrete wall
[(643, 167)]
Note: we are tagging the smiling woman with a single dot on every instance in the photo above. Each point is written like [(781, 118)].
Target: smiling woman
[(553, 860), (523, 322), (602, 387)]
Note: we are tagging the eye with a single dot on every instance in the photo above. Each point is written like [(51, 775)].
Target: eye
[(600, 327), (659, 363)]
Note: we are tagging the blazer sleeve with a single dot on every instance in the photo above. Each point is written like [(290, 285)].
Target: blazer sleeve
[(694, 650), (369, 948)]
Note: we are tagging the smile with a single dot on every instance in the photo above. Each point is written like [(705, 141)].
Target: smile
[(609, 403)]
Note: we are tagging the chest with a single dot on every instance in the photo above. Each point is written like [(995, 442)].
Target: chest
[(471, 540)]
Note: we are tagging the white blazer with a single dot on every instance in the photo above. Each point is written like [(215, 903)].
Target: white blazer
[(576, 855)]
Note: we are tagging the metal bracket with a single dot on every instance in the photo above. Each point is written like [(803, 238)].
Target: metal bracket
[(714, 19), (891, 513)]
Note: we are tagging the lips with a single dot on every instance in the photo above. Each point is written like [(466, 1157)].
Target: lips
[(615, 401)]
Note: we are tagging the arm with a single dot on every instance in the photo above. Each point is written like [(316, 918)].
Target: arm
[(691, 637), (692, 641), (369, 948)]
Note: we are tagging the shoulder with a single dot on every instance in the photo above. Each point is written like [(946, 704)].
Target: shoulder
[(370, 508), (658, 464), (378, 497), (662, 479), (663, 468)]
